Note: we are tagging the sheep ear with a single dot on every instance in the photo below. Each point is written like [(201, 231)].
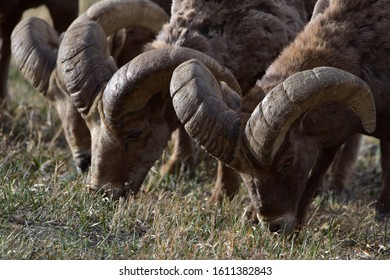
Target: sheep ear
[(320, 7), (198, 100), (116, 43)]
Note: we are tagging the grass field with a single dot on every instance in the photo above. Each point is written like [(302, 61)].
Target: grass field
[(47, 213)]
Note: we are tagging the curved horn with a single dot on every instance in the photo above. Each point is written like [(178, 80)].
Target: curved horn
[(34, 45), (147, 74), (267, 127), (85, 63), (197, 98), (114, 15), (84, 58)]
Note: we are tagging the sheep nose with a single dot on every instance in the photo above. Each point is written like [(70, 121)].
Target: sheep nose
[(274, 227), (283, 224), (82, 163)]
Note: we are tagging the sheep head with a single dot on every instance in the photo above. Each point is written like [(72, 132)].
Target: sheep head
[(99, 92), (131, 117), (34, 44), (283, 147)]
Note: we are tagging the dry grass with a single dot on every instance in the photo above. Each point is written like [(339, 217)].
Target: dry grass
[(46, 212)]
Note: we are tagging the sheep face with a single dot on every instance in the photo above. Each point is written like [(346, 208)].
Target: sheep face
[(277, 191), (34, 46), (75, 129), (283, 148), (122, 156), (86, 64)]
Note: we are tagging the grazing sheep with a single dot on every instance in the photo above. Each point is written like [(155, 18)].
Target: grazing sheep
[(62, 14), (35, 46), (329, 84), (129, 111)]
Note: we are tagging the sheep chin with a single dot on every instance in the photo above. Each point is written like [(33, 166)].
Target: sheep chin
[(126, 189), (284, 224)]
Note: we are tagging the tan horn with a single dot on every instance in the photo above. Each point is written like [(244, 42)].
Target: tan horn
[(266, 129), (114, 15), (84, 58), (34, 45), (198, 101), (85, 63), (135, 83)]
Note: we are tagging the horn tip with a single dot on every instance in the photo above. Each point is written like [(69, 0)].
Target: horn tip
[(370, 126)]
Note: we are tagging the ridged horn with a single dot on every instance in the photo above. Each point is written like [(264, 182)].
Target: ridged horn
[(85, 63), (149, 73), (34, 45), (114, 15), (267, 127), (197, 98), (84, 58)]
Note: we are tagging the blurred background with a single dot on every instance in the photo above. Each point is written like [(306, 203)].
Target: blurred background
[(43, 12)]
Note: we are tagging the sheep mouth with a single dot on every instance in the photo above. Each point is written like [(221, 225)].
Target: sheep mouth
[(122, 189), (116, 191), (284, 224)]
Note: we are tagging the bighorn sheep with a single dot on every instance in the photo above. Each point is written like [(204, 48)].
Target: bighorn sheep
[(62, 14), (35, 45), (329, 84), (129, 111)]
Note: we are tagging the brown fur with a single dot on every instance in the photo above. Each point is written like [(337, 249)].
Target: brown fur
[(138, 36), (244, 36), (350, 35), (76, 132)]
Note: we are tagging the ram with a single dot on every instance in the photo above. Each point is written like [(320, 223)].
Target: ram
[(130, 112), (35, 46), (62, 14), (329, 84)]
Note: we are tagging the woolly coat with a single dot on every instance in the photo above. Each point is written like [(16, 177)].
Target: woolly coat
[(245, 36)]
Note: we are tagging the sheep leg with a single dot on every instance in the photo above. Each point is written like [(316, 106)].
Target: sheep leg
[(317, 175), (344, 163), (227, 184), (182, 153), (383, 204)]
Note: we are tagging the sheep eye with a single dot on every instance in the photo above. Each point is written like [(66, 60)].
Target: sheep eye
[(132, 135), (288, 162)]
